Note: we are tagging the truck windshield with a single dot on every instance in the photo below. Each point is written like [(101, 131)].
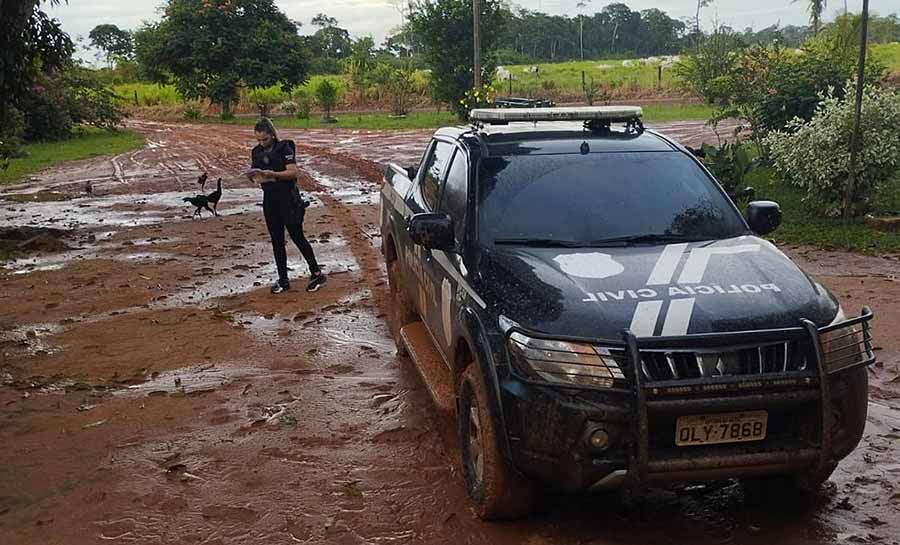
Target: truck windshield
[(595, 199)]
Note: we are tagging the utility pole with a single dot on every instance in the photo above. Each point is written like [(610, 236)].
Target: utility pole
[(855, 136), (476, 33)]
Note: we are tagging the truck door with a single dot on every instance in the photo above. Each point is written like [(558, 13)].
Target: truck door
[(446, 267), (426, 198)]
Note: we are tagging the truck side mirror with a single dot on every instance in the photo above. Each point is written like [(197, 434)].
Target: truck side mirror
[(763, 216), (412, 171), (432, 231)]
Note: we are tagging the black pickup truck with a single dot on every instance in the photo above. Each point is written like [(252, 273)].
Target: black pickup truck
[(586, 299)]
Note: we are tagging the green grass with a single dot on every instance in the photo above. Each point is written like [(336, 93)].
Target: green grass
[(889, 54), (566, 77), (89, 142), (800, 225), (432, 120)]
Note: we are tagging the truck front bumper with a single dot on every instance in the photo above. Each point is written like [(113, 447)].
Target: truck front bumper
[(815, 418)]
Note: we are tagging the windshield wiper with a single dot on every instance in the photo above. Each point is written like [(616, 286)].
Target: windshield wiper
[(539, 242), (637, 239)]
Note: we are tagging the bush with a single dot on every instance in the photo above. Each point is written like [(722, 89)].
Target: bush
[(192, 109), (475, 98), (61, 100), (289, 107), (399, 86), (304, 103), (703, 71), (326, 94), (266, 97), (46, 117), (729, 163), (814, 155)]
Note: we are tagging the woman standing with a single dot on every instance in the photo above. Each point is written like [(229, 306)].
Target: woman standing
[(274, 167)]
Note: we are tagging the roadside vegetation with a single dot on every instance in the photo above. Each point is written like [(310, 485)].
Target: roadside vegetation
[(798, 114), (87, 142)]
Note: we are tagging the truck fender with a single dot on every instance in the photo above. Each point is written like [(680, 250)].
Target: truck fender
[(473, 334)]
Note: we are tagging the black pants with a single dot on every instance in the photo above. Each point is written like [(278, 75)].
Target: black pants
[(285, 212)]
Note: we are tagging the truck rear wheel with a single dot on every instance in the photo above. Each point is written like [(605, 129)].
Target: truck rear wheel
[(494, 486), (402, 310)]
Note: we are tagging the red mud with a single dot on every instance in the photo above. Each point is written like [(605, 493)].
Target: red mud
[(153, 391)]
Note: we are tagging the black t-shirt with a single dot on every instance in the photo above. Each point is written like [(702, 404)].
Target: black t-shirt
[(281, 154)]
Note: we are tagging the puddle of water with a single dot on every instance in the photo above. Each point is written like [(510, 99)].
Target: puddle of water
[(352, 190), (195, 379), (122, 210), (30, 338)]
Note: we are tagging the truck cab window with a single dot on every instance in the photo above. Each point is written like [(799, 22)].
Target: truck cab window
[(431, 177), (453, 201)]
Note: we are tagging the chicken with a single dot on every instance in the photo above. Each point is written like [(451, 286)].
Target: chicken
[(201, 202), (202, 181), (213, 198)]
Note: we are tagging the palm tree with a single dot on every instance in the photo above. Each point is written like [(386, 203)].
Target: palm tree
[(816, 8), (581, 5)]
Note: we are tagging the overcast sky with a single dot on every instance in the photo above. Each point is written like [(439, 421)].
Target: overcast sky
[(377, 18)]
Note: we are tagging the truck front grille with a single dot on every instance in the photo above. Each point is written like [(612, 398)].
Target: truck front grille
[(779, 357)]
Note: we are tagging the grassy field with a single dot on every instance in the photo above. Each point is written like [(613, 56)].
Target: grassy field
[(431, 120), (89, 143), (803, 226), (565, 78), (889, 54), (151, 94)]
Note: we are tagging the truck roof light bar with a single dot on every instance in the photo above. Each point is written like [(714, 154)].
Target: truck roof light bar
[(609, 114)]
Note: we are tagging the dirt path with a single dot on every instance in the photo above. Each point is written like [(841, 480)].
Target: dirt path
[(153, 391)]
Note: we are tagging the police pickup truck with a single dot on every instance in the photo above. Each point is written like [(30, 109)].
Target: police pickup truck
[(586, 299)]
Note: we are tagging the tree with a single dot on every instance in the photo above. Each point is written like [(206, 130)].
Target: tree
[(444, 30), (330, 41), (326, 94), (816, 8), (211, 47), (700, 4), (113, 41), (581, 5), (30, 41)]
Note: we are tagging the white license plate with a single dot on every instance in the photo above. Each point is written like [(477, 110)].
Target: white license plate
[(711, 429)]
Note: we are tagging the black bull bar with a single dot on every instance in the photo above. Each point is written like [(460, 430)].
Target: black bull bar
[(650, 394)]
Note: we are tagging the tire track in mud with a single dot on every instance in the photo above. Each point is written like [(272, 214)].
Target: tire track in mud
[(306, 428)]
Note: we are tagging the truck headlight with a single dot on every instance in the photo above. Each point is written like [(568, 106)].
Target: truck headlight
[(564, 362), (846, 346)]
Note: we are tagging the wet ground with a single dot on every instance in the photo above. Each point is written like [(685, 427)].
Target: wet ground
[(153, 391)]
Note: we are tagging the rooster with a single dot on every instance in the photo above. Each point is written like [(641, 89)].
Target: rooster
[(202, 181), (201, 202), (213, 198)]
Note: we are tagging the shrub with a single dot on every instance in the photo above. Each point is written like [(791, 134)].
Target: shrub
[(400, 86), (192, 109), (266, 97), (702, 72), (729, 163), (326, 94), (288, 107), (815, 156), (475, 98), (304, 103)]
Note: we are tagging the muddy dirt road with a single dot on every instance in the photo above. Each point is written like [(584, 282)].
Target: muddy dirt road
[(153, 391)]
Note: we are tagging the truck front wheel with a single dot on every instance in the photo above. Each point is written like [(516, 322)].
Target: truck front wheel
[(494, 486)]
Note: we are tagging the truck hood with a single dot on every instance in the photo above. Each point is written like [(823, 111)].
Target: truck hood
[(735, 284)]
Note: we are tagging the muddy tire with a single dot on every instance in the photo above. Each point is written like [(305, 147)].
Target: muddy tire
[(402, 310), (496, 489)]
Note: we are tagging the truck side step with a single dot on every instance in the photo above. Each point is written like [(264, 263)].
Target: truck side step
[(437, 377)]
